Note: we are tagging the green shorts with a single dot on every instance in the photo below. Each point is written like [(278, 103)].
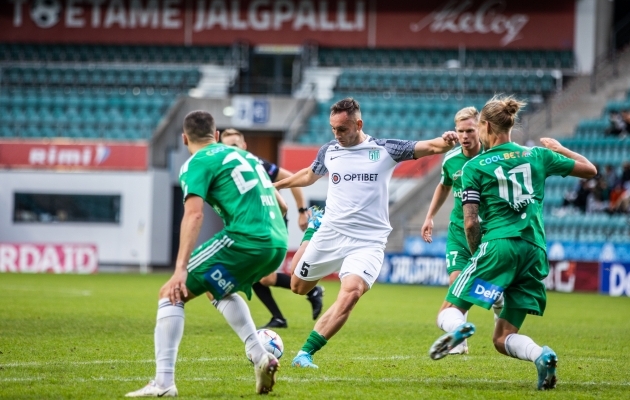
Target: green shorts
[(222, 266), (511, 266), (457, 251), (308, 234)]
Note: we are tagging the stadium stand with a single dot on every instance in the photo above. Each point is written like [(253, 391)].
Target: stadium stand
[(595, 210), (84, 91), (415, 93)]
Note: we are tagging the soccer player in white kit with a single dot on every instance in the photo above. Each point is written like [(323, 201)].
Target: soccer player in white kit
[(355, 227)]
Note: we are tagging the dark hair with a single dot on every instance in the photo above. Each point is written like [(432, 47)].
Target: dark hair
[(199, 126), (500, 112), (347, 105)]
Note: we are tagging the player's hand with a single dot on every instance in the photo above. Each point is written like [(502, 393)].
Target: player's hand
[(303, 220), (551, 144), (450, 138), (427, 230), (176, 286)]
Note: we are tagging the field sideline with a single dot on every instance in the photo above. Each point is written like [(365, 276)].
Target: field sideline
[(92, 337)]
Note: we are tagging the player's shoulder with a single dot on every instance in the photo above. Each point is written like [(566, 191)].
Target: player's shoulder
[(451, 154), (332, 145)]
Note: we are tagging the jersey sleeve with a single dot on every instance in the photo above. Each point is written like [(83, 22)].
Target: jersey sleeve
[(446, 177), (557, 164), (319, 165), (196, 179), (271, 169), (399, 150)]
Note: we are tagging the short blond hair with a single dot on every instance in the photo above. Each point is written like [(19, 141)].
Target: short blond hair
[(466, 113)]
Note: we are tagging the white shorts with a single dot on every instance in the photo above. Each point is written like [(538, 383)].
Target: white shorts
[(329, 251)]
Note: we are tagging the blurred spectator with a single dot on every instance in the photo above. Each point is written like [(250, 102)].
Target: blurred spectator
[(617, 124), (578, 198), (611, 176), (600, 196), (625, 173)]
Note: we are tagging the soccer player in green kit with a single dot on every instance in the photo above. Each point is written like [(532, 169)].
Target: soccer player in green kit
[(457, 252), (252, 245), (505, 187)]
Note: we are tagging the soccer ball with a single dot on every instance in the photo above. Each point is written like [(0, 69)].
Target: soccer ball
[(271, 341)]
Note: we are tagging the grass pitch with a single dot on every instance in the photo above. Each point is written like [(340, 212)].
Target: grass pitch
[(92, 337)]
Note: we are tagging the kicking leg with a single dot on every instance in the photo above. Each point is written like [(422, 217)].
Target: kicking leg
[(352, 288), (452, 320), (461, 348)]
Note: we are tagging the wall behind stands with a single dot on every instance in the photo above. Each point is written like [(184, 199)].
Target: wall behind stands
[(142, 235), (353, 23)]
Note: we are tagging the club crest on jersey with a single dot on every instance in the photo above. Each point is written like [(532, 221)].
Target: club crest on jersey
[(457, 175), (336, 178), (374, 155)]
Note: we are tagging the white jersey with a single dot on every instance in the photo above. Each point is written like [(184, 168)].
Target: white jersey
[(357, 204)]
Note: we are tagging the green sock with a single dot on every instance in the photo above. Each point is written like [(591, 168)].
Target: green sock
[(314, 343)]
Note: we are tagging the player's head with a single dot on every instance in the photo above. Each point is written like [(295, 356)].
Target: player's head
[(232, 137), (497, 118), (466, 123), (199, 128), (345, 122)]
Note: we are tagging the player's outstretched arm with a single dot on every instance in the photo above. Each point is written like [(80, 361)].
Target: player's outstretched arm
[(435, 146), (583, 167), (302, 178), (472, 226), (440, 195), (299, 199)]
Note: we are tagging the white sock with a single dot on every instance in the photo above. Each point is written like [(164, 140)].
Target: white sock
[(497, 307), (450, 318), (522, 347), (169, 330), (237, 315)]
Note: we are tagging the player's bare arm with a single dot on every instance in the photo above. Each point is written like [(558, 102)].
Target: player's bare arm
[(435, 146), (302, 178), (299, 199), (191, 225), (472, 226), (583, 167), (439, 197)]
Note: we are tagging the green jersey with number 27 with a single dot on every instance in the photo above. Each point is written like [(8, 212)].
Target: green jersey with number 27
[(509, 183), (233, 182)]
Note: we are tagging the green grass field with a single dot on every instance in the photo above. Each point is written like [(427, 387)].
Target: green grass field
[(92, 337)]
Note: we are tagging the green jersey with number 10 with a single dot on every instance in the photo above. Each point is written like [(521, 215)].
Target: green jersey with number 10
[(233, 182), (508, 180)]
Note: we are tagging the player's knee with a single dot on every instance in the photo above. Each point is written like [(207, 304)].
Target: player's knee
[(498, 340), (268, 280), (298, 288)]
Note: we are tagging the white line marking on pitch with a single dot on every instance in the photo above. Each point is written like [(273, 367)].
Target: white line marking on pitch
[(181, 360), (322, 379), (67, 292)]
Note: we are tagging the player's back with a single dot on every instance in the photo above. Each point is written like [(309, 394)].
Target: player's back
[(234, 183), (510, 179)]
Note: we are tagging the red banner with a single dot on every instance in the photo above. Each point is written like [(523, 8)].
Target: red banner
[(295, 158), (73, 155), (573, 276), (350, 23), (53, 258)]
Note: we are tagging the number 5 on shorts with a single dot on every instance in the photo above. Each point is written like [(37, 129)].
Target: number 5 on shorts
[(449, 262), (304, 269)]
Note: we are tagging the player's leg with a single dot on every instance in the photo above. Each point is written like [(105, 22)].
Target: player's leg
[(227, 270), (527, 296), (263, 292), (358, 272), (315, 295)]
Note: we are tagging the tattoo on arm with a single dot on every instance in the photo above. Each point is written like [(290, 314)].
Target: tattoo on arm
[(472, 226)]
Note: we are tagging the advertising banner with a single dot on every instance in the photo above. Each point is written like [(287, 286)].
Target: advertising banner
[(73, 155), (573, 276), (48, 258), (350, 23), (401, 268), (615, 279)]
